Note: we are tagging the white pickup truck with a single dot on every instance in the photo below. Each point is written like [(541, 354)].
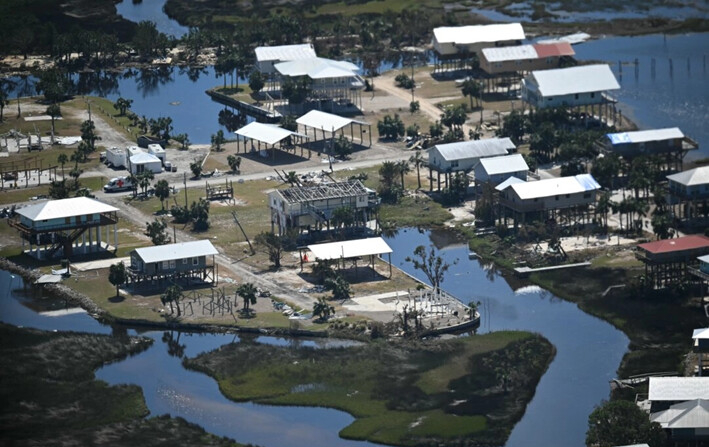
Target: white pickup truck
[(118, 184)]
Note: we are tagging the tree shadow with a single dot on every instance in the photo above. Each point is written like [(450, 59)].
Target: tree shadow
[(116, 299)]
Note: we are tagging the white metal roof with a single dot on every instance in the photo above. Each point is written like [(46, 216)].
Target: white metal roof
[(581, 79), (555, 186), (317, 68), (571, 38), (642, 136), (689, 414), (59, 209), (504, 164), (692, 177), (479, 33), (350, 249), (326, 121), (265, 133), (678, 388), (171, 252), (285, 52), (510, 181), (704, 258), (475, 148), (500, 54), (703, 333), (144, 158)]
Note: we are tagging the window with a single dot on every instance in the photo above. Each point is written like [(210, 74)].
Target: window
[(568, 195), (587, 195), (556, 197), (195, 261), (454, 164), (576, 96), (184, 261), (165, 265), (593, 95), (172, 264)]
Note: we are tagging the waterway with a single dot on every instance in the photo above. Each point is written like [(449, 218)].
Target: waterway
[(588, 354), (589, 350)]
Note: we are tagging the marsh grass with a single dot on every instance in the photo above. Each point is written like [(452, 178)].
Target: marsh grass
[(401, 394)]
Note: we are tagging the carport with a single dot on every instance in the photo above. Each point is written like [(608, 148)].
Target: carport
[(270, 135)]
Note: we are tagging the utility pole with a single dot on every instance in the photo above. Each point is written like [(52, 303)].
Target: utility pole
[(184, 182)]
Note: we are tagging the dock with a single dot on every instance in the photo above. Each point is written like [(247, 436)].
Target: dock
[(526, 271), (259, 113)]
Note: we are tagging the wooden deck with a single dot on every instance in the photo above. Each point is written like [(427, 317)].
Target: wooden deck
[(526, 271)]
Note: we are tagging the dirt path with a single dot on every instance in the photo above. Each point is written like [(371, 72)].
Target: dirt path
[(388, 84)]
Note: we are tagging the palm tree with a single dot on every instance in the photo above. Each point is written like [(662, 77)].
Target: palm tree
[(322, 309), (62, 159), (603, 206), (471, 89), (292, 178), (218, 140), (162, 192), (54, 111), (403, 168), (172, 294), (247, 291), (417, 160)]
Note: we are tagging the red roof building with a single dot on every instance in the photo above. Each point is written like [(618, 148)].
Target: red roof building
[(667, 261), (677, 246), (557, 49)]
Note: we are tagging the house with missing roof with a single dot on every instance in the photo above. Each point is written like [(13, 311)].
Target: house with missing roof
[(452, 44), (186, 261), (567, 200), (79, 225), (495, 170), (525, 58), (311, 208), (668, 261), (463, 156)]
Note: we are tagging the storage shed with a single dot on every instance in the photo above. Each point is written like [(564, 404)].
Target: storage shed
[(143, 162)]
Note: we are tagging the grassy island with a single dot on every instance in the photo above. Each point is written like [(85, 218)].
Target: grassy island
[(435, 392)]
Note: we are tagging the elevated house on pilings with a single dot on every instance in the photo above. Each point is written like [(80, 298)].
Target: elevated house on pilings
[(454, 46), (667, 261), (669, 144), (451, 158), (162, 264), (311, 208), (66, 227), (495, 170), (267, 57), (689, 193), (507, 65), (580, 89), (329, 81), (566, 200)]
